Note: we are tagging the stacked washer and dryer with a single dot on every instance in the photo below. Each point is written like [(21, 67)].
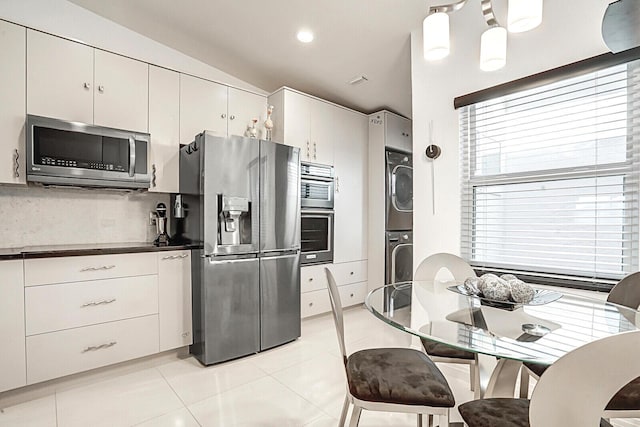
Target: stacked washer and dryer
[(390, 136)]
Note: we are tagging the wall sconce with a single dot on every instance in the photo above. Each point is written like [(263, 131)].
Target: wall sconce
[(523, 15)]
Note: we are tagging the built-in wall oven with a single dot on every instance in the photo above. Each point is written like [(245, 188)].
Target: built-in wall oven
[(316, 201)]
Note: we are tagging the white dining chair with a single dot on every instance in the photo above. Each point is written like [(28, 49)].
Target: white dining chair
[(390, 379), (573, 392), (626, 402), (460, 270)]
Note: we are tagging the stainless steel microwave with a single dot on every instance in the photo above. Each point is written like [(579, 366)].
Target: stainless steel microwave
[(71, 153), (316, 186)]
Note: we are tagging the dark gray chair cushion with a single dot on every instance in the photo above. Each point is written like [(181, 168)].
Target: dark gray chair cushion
[(496, 413), (628, 398), (397, 375), (499, 413), (442, 350), (536, 368)]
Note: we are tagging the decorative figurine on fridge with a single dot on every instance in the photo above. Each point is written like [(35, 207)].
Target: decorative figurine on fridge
[(268, 124), (252, 131)]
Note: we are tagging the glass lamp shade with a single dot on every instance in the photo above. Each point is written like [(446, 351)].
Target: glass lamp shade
[(524, 15), (435, 31), (493, 49)]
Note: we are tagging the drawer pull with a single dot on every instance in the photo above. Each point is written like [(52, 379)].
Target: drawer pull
[(175, 256), (310, 304), (311, 279), (94, 303), (99, 347), (351, 273), (104, 267), (351, 295)]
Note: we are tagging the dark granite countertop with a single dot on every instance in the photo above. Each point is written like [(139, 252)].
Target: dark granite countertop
[(86, 249)]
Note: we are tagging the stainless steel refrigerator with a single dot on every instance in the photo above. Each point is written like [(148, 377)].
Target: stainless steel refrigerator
[(242, 198)]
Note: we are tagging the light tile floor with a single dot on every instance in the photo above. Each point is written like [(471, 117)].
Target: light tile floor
[(300, 384)]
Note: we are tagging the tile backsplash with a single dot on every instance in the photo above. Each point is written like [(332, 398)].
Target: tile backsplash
[(34, 216)]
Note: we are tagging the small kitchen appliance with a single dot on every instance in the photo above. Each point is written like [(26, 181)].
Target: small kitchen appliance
[(161, 225)]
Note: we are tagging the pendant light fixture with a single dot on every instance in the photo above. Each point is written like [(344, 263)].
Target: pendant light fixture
[(436, 36), (493, 43), (523, 15)]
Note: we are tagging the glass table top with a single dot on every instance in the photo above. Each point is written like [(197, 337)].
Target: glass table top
[(535, 333)]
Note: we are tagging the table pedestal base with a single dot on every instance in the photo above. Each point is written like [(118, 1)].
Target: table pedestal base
[(497, 378)]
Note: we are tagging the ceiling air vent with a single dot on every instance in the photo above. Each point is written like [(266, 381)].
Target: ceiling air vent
[(358, 79)]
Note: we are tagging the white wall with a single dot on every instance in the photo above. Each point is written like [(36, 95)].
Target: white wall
[(65, 19), (570, 32)]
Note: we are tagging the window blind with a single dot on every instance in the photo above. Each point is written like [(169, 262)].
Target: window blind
[(550, 177)]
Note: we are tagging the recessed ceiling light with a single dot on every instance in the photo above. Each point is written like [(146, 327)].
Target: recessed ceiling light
[(305, 36)]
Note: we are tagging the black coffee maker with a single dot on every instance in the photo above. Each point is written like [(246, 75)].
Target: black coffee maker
[(161, 225)]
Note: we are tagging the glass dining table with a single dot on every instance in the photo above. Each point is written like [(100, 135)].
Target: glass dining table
[(501, 335)]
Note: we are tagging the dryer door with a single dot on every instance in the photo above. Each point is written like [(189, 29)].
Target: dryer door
[(399, 186)]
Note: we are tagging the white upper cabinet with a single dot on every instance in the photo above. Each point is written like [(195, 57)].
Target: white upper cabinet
[(323, 132), (308, 124), (59, 78), (164, 127), (13, 372), (121, 92), (12, 107), (351, 158), (61, 84), (243, 108), (203, 106), (398, 133), (297, 122)]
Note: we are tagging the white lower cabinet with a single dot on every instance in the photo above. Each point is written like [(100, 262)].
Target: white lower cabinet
[(86, 312), (350, 277), (314, 302), (12, 355), (66, 352), (52, 308), (174, 284)]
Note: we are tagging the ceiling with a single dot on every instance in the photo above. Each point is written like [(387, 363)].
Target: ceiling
[(256, 42)]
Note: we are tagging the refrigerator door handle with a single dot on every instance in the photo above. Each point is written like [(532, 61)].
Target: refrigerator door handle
[(284, 254), (247, 256), (273, 251)]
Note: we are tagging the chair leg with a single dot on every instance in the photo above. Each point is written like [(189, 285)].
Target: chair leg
[(443, 420), (524, 383), (345, 408), (355, 416), (472, 376)]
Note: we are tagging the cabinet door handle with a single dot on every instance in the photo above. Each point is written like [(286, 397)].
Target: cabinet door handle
[(351, 273), (308, 150), (232, 117), (153, 175), (315, 151), (16, 163), (87, 85), (311, 279), (104, 267), (99, 347), (101, 89), (175, 256), (94, 303), (223, 116), (310, 304), (337, 184), (351, 295)]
